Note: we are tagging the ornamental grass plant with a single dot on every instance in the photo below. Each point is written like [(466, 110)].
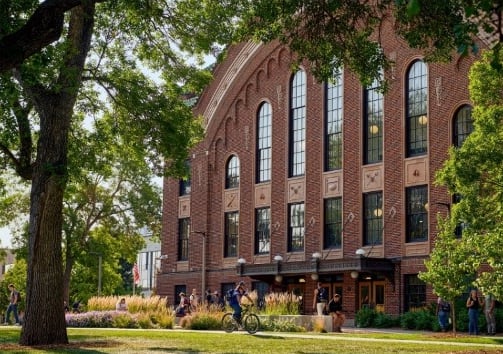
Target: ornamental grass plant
[(142, 313), (282, 304)]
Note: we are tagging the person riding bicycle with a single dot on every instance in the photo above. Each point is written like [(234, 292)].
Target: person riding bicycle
[(235, 300)]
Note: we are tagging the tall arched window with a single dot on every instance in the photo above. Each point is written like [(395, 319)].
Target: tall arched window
[(232, 172), (373, 120), (463, 125), (333, 122), (417, 109), (297, 127), (264, 143)]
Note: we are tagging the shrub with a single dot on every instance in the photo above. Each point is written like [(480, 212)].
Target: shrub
[(382, 320), (124, 320), (280, 326), (365, 317), (206, 321)]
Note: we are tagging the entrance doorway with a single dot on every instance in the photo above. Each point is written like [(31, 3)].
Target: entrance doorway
[(372, 295)]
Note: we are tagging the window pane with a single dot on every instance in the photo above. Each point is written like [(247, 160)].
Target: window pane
[(415, 293), (183, 239), (417, 216), (417, 109), (297, 125), (333, 123), (463, 125), (333, 223), (232, 175), (185, 187), (373, 123), (296, 228), (373, 223), (262, 230), (231, 234), (264, 143)]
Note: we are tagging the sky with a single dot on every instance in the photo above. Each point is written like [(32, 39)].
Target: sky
[(5, 238)]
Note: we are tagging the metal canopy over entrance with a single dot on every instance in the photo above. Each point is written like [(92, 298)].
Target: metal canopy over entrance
[(377, 266)]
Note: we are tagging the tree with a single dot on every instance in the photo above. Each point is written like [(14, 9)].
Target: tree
[(449, 268), (43, 96), (332, 34), (44, 90), (474, 171)]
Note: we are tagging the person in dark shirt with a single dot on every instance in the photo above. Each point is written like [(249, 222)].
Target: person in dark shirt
[(335, 310), (473, 304)]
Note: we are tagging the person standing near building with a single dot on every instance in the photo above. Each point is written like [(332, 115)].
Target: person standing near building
[(335, 310), (473, 304), (489, 304), (443, 312), (194, 300), (320, 299), (13, 301)]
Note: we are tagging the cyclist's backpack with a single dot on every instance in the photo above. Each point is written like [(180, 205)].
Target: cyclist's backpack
[(228, 295), (19, 297)]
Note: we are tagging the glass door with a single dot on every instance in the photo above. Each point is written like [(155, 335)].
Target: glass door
[(372, 295)]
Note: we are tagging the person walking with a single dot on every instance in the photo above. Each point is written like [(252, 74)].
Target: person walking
[(489, 304), (473, 304), (13, 301), (335, 310)]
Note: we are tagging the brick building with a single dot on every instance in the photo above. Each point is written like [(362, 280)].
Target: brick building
[(299, 181)]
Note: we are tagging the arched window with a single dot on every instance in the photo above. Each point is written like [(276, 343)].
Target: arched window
[(417, 109), (232, 174), (297, 127), (333, 122), (463, 125), (373, 121), (264, 143)]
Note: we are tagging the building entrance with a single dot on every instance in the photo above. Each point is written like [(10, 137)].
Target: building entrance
[(372, 295)]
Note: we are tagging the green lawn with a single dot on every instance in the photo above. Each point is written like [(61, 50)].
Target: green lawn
[(178, 341)]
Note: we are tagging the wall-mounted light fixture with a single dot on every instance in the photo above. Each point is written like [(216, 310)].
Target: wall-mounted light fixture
[(354, 274), (278, 258), (241, 265), (278, 278), (360, 252)]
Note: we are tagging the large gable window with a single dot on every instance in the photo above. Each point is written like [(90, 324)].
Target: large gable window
[(417, 109), (232, 172), (297, 128), (264, 143)]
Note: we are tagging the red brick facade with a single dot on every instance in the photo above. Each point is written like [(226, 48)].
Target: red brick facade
[(252, 74)]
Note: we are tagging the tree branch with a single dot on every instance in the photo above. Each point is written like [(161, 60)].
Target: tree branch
[(42, 28)]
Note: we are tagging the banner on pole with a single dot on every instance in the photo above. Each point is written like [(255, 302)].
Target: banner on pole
[(136, 274)]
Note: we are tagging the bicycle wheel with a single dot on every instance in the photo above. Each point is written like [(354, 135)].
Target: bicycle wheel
[(228, 323), (252, 323)]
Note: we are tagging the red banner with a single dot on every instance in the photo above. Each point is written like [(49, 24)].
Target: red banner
[(136, 274)]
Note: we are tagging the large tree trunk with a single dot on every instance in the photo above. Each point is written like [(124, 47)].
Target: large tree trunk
[(44, 316)]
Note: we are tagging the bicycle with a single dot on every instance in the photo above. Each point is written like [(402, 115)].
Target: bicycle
[(249, 321)]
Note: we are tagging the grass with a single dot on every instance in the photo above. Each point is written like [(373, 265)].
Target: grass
[(123, 341)]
